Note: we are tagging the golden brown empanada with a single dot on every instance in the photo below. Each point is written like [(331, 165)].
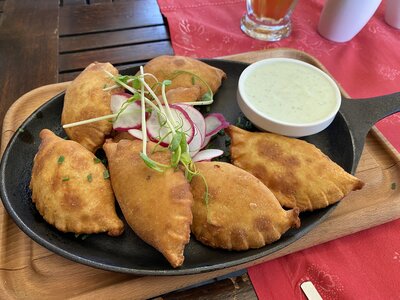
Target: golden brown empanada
[(85, 99), (156, 205), (122, 135), (297, 172), (166, 67), (183, 94), (69, 188), (242, 212)]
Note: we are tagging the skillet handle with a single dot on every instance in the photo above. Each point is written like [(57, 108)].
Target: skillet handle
[(362, 114)]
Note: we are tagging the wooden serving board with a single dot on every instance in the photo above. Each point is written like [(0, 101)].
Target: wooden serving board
[(28, 270)]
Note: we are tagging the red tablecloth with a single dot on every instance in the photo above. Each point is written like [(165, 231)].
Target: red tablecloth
[(365, 265)]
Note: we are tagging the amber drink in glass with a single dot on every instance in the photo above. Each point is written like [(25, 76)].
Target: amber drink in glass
[(268, 20)]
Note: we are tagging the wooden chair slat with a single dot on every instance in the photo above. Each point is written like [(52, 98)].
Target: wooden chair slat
[(99, 1), (1, 5), (108, 16), (73, 2), (114, 38), (68, 76), (118, 55)]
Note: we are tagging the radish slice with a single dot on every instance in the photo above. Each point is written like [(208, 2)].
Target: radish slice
[(117, 100), (136, 133), (157, 131), (214, 123), (196, 117), (199, 128), (207, 154), (207, 139), (130, 117), (196, 142)]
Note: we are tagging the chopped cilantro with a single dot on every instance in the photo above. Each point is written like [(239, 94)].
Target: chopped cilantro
[(61, 159), (393, 186), (96, 160), (90, 177), (106, 174), (65, 178)]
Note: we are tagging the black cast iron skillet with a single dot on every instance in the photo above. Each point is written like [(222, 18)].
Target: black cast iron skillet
[(342, 141)]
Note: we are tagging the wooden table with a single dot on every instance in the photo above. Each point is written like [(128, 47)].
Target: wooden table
[(44, 42)]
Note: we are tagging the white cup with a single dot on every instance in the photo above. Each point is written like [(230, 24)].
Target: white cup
[(341, 20), (392, 13)]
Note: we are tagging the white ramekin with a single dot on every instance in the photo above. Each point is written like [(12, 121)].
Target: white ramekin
[(265, 122)]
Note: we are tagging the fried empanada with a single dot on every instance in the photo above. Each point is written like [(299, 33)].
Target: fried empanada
[(297, 172), (183, 94), (69, 188), (85, 99), (157, 206), (122, 135), (242, 212), (167, 67)]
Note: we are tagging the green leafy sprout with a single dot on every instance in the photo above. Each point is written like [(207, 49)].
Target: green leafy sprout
[(149, 101)]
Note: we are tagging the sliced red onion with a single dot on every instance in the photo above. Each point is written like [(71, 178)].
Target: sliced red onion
[(214, 123), (207, 154)]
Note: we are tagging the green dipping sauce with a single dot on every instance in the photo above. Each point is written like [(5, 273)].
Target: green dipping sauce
[(291, 92)]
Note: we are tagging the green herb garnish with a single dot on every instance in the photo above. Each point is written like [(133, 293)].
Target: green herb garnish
[(207, 98), (65, 178), (393, 186), (81, 236), (60, 159), (150, 102)]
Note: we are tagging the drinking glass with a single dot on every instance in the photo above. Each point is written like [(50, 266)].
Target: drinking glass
[(268, 20)]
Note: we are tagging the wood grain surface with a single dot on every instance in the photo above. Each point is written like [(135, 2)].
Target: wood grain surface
[(25, 40), (114, 16), (123, 32), (113, 38), (28, 270)]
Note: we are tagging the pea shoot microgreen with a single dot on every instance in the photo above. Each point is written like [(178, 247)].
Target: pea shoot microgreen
[(207, 98), (149, 103)]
